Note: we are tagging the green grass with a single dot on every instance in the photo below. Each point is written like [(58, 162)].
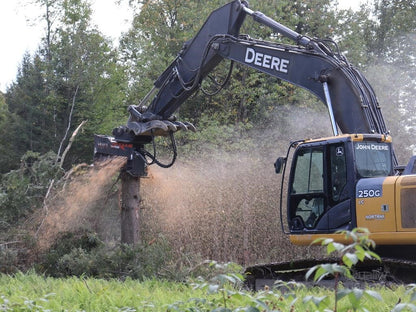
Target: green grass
[(87, 294), (32, 292)]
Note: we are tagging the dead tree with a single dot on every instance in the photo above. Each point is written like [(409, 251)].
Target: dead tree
[(130, 203)]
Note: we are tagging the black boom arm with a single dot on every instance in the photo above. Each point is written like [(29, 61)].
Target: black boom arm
[(310, 64)]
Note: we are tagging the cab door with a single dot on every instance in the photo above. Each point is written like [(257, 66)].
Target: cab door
[(306, 198), (319, 193)]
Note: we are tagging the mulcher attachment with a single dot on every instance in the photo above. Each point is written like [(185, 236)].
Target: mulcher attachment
[(129, 141)]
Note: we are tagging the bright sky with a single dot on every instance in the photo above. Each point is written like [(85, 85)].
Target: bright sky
[(20, 32)]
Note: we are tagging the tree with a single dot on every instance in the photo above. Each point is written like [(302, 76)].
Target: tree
[(6, 141), (29, 118), (74, 76), (391, 44)]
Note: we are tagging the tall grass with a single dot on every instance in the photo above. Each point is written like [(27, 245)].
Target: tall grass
[(31, 292), (24, 292)]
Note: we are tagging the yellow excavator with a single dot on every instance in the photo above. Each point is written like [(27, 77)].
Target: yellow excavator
[(342, 182)]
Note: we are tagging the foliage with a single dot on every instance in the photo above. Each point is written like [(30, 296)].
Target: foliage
[(23, 189), (358, 250), (3, 108), (83, 254), (221, 288), (28, 292), (8, 260), (74, 76)]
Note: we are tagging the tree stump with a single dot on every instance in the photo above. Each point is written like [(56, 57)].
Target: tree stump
[(130, 203)]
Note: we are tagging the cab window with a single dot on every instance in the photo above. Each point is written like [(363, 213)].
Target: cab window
[(373, 159), (309, 172), (307, 190)]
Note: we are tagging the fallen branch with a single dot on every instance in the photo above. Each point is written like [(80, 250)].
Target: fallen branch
[(69, 124), (71, 140), (10, 243)]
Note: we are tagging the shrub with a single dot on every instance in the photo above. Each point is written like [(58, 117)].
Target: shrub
[(23, 189), (84, 254)]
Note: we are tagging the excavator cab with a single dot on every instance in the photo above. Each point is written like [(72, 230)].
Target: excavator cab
[(326, 178)]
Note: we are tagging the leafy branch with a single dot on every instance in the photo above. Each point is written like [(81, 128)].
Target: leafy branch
[(358, 250)]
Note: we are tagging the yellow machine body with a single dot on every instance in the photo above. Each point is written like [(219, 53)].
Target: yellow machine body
[(385, 205)]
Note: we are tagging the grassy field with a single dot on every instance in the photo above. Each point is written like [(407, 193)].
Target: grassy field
[(31, 292)]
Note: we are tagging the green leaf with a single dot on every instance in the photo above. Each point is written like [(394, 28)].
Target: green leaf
[(224, 278), (311, 271), (354, 297), (358, 293), (236, 295), (374, 294), (221, 309), (320, 241), (343, 293), (372, 254), (360, 252), (411, 289), (213, 289), (350, 259), (251, 309), (319, 302), (321, 273), (334, 246), (402, 306), (261, 304), (238, 277)]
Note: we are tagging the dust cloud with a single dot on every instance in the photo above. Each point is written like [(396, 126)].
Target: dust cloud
[(78, 203), (395, 87), (225, 205), (220, 205)]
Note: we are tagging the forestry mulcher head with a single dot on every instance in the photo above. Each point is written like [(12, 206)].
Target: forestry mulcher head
[(129, 141)]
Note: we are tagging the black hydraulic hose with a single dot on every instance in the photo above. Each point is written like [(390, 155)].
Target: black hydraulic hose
[(222, 85), (194, 83), (153, 156)]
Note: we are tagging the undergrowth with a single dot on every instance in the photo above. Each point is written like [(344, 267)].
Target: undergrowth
[(83, 254), (218, 288)]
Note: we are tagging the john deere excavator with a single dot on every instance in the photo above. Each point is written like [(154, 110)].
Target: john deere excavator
[(349, 180)]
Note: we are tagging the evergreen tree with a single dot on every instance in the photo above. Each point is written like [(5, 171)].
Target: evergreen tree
[(74, 76)]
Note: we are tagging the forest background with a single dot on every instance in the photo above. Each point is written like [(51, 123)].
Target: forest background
[(78, 76)]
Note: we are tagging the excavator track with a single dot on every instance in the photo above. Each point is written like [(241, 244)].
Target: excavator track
[(386, 272)]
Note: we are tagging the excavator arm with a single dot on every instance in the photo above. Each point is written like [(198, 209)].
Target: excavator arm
[(310, 64)]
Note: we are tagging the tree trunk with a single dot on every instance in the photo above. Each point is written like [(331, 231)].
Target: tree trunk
[(130, 202)]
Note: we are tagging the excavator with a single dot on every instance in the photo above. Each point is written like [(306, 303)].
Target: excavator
[(349, 180)]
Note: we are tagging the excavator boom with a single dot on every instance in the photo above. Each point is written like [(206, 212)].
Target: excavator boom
[(312, 64)]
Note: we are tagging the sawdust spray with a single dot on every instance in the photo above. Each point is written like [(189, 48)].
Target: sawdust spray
[(79, 203), (225, 205), (221, 205)]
